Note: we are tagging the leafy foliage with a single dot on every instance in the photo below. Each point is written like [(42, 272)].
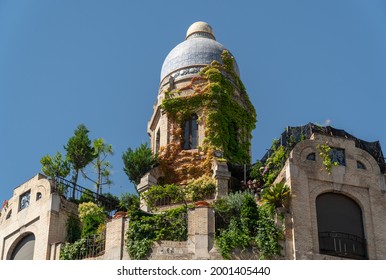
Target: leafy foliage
[(232, 237), (55, 166), (268, 235), (276, 196), (138, 162), (91, 216), (73, 229), (101, 165), (246, 225), (113, 202), (156, 194), (129, 202), (72, 251), (265, 173), (325, 154), (79, 151), (200, 188), (87, 196), (144, 229)]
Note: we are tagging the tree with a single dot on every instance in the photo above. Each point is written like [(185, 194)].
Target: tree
[(101, 165), (55, 166), (138, 162), (79, 152)]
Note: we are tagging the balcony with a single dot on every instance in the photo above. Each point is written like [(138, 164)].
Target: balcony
[(343, 245)]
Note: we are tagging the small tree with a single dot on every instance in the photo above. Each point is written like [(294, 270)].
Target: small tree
[(79, 152), (138, 162), (55, 166), (101, 165)]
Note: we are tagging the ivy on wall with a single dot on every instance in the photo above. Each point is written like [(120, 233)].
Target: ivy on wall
[(222, 103)]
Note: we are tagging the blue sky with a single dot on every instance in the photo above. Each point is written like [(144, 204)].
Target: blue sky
[(63, 63)]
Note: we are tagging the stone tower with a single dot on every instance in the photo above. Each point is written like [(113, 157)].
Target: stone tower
[(202, 111)]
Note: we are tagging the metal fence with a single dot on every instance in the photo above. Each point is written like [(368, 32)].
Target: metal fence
[(342, 245), (74, 192), (91, 247)]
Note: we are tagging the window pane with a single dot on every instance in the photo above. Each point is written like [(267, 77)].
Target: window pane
[(194, 133), (24, 200), (186, 135)]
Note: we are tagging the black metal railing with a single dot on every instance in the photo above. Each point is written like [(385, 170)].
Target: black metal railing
[(342, 245), (75, 193), (92, 247)]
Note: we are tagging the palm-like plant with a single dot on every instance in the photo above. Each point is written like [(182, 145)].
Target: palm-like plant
[(276, 196)]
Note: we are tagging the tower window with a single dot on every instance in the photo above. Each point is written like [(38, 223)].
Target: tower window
[(38, 195), (24, 200), (191, 133), (157, 141)]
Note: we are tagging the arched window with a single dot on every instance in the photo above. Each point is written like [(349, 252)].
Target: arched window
[(9, 215), (311, 156), (340, 226), (24, 249), (360, 165), (157, 141), (191, 133)]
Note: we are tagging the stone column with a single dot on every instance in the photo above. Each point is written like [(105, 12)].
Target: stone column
[(222, 176), (115, 239), (201, 228)]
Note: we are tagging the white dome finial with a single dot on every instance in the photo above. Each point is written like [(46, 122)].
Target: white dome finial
[(200, 29)]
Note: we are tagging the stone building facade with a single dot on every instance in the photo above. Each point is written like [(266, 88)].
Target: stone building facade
[(33, 221), (336, 214)]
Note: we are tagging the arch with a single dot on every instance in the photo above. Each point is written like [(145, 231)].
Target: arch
[(23, 248), (191, 133), (340, 226)]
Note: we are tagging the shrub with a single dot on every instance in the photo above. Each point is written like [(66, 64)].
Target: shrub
[(144, 229), (91, 216)]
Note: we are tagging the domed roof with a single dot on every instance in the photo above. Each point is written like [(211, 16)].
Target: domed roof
[(199, 49)]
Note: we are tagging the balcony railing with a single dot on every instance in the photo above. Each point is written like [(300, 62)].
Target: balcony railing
[(74, 192), (342, 244)]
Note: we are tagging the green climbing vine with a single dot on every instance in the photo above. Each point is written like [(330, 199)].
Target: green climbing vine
[(224, 109), (325, 154), (265, 173)]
